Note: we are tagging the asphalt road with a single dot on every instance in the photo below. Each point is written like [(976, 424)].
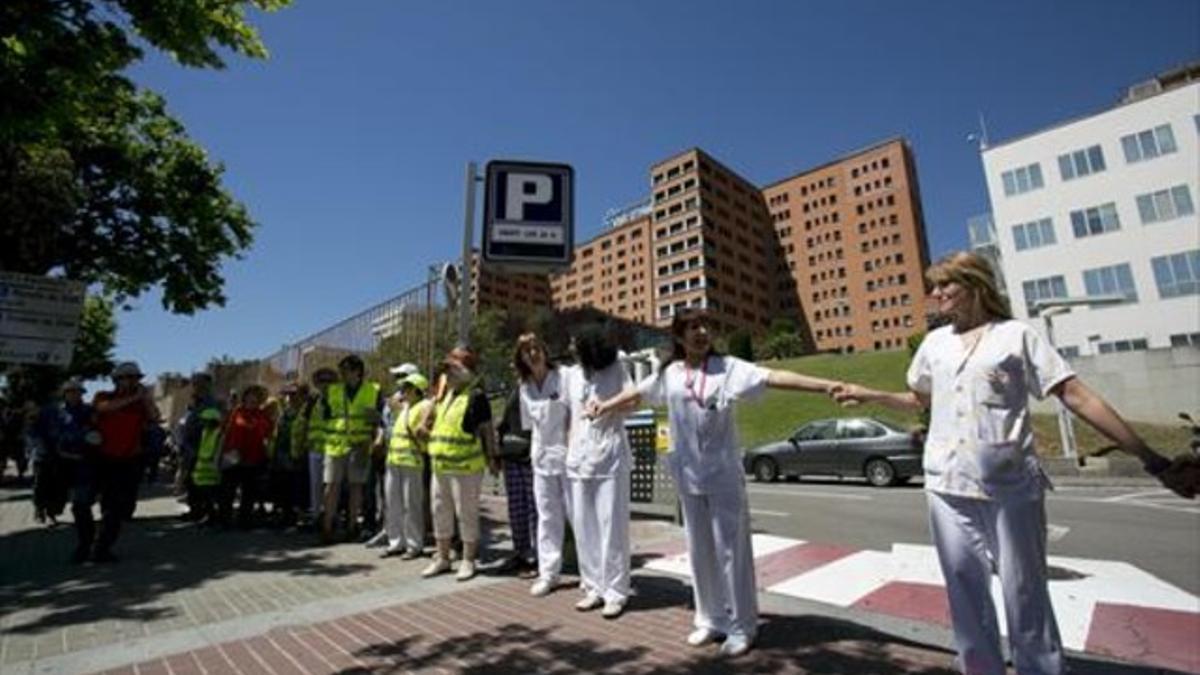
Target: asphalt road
[(1146, 527)]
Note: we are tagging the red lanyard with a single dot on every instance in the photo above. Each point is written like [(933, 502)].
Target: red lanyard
[(689, 381)]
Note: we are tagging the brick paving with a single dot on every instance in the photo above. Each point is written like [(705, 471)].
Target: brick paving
[(500, 629), (186, 601)]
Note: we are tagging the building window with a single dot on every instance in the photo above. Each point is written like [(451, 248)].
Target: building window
[(1148, 144), (1155, 207), (1096, 220), (1022, 180), (1081, 163), (1068, 352), (1047, 288), (1134, 345), (1185, 340), (1111, 280), (1034, 234), (1177, 274)]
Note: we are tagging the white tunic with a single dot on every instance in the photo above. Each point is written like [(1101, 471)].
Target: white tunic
[(544, 412), (704, 456), (980, 437), (597, 448)]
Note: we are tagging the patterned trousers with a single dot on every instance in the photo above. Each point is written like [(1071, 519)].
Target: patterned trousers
[(522, 511)]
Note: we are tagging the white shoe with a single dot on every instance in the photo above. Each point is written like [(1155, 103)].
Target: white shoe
[(735, 645), (466, 570), (541, 588), (589, 602), (612, 609), (439, 566), (702, 636)]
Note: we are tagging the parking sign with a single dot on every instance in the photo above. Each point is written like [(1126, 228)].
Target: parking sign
[(528, 218)]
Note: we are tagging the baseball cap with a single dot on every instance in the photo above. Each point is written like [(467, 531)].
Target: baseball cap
[(404, 370), (416, 380)]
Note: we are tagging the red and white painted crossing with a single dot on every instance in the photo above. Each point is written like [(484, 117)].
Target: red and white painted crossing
[(1103, 607)]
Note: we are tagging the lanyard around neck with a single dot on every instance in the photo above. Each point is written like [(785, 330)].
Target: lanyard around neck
[(689, 381)]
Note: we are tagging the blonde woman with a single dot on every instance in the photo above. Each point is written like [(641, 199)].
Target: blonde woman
[(985, 486)]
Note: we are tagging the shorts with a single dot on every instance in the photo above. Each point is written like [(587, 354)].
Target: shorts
[(350, 467)]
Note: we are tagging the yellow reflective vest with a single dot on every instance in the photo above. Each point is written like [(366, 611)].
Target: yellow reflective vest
[(315, 426), (452, 449), (351, 422), (404, 449), (207, 473)]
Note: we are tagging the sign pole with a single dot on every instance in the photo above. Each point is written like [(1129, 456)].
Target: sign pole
[(464, 295)]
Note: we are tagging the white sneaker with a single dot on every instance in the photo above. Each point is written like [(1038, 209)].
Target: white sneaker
[(612, 609), (702, 636), (735, 645), (439, 566), (466, 570), (589, 602), (541, 588)]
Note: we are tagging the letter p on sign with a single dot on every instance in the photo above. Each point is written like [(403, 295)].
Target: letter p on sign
[(526, 188)]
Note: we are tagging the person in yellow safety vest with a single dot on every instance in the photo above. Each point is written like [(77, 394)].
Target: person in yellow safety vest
[(404, 520), (316, 415), (354, 411), (462, 444), (289, 461), (206, 475)]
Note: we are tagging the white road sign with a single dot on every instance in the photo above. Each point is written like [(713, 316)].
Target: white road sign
[(39, 318)]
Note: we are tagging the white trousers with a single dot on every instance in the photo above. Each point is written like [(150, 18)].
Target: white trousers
[(971, 533), (316, 486), (552, 496), (600, 519), (404, 503), (718, 539)]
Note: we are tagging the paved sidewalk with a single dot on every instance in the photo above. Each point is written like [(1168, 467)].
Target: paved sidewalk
[(184, 600)]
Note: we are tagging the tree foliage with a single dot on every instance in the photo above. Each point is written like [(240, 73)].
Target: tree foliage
[(97, 181), (741, 345)]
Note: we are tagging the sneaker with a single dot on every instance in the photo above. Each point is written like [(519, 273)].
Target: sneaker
[(735, 645), (380, 539), (702, 636), (439, 566), (589, 602), (541, 588), (391, 551), (466, 570), (612, 609), (410, 554)]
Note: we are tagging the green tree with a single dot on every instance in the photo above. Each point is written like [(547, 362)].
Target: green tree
[(97, 181), (782, 346), (741, 345)]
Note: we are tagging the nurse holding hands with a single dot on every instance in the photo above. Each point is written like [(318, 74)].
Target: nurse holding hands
[(699, 388), (984, 484)]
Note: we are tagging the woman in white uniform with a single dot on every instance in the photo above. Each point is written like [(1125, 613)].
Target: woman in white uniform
[(545, 413), (598, 466), (985, 486), (699, 387)]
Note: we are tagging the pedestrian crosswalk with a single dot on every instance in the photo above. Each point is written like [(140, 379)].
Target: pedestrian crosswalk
[(1103, 607)]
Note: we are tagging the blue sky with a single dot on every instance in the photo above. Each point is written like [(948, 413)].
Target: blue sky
[(349, 144)]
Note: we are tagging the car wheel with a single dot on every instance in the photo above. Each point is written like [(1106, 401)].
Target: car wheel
[(879, 472), (765, 470)]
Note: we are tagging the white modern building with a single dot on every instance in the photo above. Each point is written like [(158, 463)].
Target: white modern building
[(1106, 205)]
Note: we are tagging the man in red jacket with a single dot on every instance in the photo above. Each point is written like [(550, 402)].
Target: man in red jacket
[(122, 416)]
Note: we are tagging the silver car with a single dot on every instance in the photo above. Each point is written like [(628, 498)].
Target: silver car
[(881, 452)]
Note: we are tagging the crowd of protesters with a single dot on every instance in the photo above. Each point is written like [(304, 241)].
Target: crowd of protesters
[(353, 462)]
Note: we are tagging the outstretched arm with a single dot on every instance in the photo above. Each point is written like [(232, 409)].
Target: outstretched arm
[(1180, 476), (853, 394), (785, 379), (626, 400)]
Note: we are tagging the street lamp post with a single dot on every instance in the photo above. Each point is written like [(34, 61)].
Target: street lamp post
[(1048, 309)]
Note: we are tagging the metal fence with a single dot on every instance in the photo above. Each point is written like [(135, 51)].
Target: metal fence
[(410, 322)]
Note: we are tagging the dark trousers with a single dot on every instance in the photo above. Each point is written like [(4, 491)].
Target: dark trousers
[(116, 485), (51, 483), (522, 510), (373, 492), (203, 501), (244, 479)]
